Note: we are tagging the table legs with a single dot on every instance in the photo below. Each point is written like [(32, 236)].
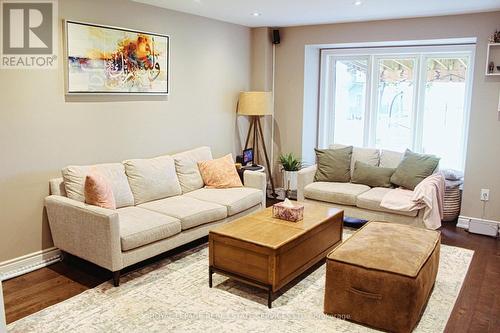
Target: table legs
[(268, 288), (210, 273), (269, 297)]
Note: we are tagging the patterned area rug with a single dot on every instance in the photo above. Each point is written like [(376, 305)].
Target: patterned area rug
[(173, 296)]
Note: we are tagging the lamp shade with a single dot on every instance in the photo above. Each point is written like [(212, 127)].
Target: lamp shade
[(255, 103)]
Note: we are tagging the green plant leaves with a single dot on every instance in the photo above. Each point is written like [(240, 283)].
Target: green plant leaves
[(289, 162)]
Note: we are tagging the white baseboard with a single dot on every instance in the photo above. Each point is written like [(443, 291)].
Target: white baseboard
[(463, 222), (28, 263)]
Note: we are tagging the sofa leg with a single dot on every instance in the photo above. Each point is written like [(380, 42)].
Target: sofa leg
[(116, 278)]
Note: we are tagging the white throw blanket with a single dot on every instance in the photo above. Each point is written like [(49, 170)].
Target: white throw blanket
[(428, 195)]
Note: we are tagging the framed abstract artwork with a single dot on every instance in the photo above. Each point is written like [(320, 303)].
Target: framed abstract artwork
[(110, 60)]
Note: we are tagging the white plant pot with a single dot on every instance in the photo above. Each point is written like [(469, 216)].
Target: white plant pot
[(290, 180)]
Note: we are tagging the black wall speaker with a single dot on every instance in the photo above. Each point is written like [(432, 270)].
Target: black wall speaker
[(276, 36)]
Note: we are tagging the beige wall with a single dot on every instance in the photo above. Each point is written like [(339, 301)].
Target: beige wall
[(42, 131), (483, 156), (261, 80)]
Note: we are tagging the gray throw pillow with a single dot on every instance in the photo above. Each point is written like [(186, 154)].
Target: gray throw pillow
[(334, 165), (413, 169), (372, 176)]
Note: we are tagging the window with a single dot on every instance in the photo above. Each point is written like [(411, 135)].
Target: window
[(350, 99), (397, 98)]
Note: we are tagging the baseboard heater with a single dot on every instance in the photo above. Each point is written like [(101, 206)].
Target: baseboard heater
[(483, 227)]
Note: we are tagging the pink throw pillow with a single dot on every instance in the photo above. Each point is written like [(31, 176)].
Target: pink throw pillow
[(98, 190), (220, 173)]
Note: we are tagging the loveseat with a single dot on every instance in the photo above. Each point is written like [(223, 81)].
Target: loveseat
[(161, 204), (357, 200)]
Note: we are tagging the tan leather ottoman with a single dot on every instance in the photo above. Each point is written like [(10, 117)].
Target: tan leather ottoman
[(382, 276)]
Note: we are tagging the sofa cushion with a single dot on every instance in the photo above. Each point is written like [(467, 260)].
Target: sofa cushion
[(340, 193), (74, 182), (390, 159), (139, 227), (235, 199), (413, 169), (191, 212), (334, 165), (372, 176), (98, 190), (371, 200), (220, 173), (186, 165), (152, 179), (370, 156)]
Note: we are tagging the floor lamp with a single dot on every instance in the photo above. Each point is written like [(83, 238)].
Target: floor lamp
[(257, 104)]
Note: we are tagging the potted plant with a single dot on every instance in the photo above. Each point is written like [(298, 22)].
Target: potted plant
[(290, 166)]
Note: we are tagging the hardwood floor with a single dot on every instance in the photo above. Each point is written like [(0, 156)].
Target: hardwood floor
[(478, 306), (476, 310), (50, 285)]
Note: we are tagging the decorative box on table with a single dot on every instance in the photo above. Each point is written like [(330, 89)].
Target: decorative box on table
[(288, 211)]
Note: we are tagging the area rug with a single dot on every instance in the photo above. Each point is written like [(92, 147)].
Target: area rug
[(173, 296)]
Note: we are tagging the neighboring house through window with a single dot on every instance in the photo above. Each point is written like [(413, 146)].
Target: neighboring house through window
[(397, 98)]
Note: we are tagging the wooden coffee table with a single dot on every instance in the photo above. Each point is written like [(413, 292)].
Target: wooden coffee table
[(269, 253)]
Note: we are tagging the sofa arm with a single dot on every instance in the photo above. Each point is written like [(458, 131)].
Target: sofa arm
[(258, 180), (89, 232), (304, 178)]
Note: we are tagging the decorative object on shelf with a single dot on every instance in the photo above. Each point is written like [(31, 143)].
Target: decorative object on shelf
[(290, 166), (288, 211), (491, 67), (257, 104), (109, 60), (495, 37), (493, 55)]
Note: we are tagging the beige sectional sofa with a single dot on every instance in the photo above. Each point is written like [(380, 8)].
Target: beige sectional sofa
[(357, 200), (161, 204)]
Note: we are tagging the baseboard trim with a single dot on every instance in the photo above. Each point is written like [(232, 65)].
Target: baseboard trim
[(463, 222), (29, 263)]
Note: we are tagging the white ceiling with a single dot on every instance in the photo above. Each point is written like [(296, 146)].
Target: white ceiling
[(280, 13)]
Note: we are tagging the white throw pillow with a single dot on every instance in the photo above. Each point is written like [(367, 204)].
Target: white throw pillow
[(152, 179), (74, 182), (370, 156), (390, 159), (186, 165)]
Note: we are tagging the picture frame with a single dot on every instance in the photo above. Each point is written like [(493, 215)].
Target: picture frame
[(109, 60)]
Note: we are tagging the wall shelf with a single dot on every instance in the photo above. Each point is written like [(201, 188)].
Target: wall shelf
[(493, 54)]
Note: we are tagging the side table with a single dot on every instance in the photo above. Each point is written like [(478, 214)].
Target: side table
[(241, 171)]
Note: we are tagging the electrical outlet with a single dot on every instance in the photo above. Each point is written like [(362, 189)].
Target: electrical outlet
[(485, 194)]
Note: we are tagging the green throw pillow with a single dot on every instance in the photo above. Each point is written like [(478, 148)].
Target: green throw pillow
[(372, 176), (413, 169), (334, 165)]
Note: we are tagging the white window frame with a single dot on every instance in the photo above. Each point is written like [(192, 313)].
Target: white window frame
[(326, 110)]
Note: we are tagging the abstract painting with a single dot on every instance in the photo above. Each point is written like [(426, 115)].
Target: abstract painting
[(109, 60)]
